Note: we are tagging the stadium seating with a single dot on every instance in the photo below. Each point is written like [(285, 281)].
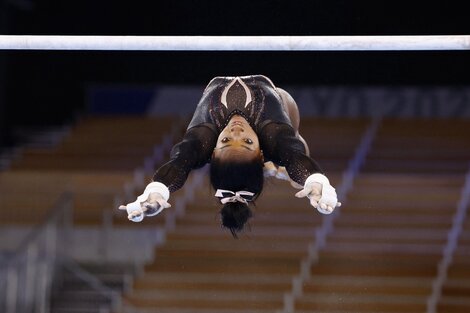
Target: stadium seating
[(389, 238)]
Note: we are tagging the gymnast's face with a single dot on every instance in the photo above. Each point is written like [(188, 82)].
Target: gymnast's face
[(237, 141)]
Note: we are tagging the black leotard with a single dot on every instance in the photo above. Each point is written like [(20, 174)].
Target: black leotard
[(256, 99)]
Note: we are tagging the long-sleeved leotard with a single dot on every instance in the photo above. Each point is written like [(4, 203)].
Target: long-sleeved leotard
[(253, 97)]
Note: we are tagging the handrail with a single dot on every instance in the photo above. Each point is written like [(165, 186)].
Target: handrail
[(93, 282), (27, 273), (56, 212), (450, 247)]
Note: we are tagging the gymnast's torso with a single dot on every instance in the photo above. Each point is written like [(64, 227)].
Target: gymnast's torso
[(253, 97)]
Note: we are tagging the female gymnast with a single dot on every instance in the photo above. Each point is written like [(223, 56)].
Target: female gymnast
[(245, 127)]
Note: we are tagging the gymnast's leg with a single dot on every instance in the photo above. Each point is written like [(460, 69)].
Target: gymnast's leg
[(290, 106)]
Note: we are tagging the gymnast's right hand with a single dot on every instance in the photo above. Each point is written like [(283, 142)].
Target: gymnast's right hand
[(149, 203)]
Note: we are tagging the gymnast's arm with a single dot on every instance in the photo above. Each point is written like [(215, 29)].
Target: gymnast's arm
[(194, 151), (282, 147)]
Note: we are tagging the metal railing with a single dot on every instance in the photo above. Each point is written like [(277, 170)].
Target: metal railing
[(450, 247), (113, 296), (27, 274)]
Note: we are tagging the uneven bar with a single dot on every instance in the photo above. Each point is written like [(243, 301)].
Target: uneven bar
[(235, 43)]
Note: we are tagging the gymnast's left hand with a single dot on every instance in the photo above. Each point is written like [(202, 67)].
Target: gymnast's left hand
[(321, 194), (152, 205)]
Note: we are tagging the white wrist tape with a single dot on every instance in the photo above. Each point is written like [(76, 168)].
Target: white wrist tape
[(317, 178), (328, 193), (155, 187), (135, 207)]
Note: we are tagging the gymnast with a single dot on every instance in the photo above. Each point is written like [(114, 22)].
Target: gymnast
[(246, 128)]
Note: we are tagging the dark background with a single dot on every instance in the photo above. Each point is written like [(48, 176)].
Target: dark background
[(47, 88)]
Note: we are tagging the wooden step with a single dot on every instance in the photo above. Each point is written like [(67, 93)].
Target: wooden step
[(410, 180), (383, 266), (390, 235), (271, 232), (385, 247), (456, 287), (328, 302), (243, 299), (199, 310), (454, 304), (168, 277), (223, 281), (398, 221), (230, 264), (223, 247), (364, 285), (459, 269), (418, 166)]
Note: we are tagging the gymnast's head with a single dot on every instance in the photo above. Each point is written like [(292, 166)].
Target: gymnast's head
[(237, 165), (237, 141)]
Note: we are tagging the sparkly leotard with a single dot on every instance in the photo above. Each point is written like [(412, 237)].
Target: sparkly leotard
[(256, 99)]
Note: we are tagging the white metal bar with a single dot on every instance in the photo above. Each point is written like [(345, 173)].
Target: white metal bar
[(236, 43)]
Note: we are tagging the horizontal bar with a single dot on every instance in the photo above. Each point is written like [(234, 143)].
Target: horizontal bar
[(236, 43)]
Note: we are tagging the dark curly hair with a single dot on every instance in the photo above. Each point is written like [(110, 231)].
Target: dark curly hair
[(237, 176)]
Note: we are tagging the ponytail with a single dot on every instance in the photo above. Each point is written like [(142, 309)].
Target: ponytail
[(234, 216), (237, 176)]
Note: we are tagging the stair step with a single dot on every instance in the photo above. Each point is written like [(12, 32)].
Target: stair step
[(385, 248), (364, 285), (207, 299), (216, 277), (274, 232), (394, 236), (454, 304), (223, 281), (83, 296), (78, 306), (70, 309), (202, 310), (383, 267), (364, 303), (248, 248), (221, 264)]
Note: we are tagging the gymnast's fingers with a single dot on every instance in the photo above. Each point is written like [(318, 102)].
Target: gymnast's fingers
[(136, 216), (314, 202), (304, 192), (163, 203)]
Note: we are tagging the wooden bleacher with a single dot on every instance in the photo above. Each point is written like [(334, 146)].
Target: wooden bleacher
[(388, 240), (93, 162), (382, 255)]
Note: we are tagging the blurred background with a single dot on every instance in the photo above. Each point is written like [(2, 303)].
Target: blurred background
[(82, 132)]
